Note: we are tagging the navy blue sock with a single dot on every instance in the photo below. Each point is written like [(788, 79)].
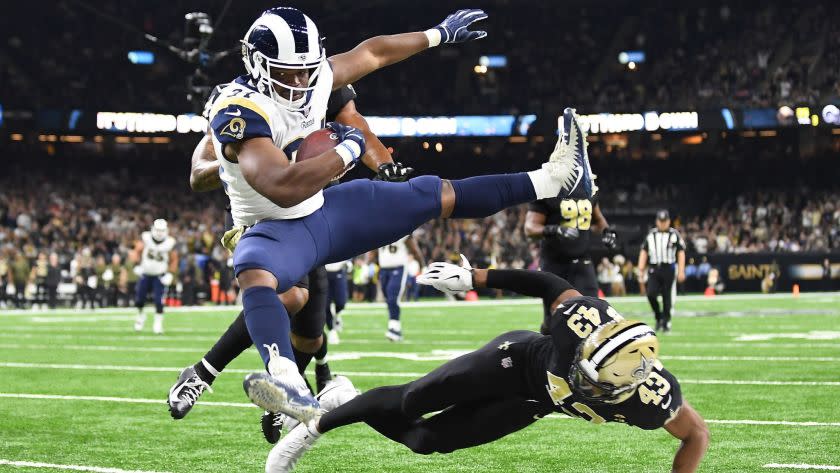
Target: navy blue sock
[(482, 196), (267, 321)]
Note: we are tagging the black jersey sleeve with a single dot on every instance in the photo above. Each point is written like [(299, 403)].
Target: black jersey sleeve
[(540, 206), (655, 402), (338, 99)]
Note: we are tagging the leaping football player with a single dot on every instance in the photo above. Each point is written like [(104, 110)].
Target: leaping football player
[(286, 223), (307, 302), (594, 365)]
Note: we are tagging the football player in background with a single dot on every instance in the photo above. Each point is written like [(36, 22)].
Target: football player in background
[(594, 365), (337, 296), (158, 260), (393, 259), (286, 223), (565, 227), (307, 302)]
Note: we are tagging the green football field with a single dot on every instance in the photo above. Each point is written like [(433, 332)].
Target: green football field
[(80, 391)]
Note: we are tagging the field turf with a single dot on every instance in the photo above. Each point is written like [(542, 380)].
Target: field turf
[(82, 389)]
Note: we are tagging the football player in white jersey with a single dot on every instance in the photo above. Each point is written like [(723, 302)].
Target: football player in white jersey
[(158, 260), (286, 223), (393, 259)]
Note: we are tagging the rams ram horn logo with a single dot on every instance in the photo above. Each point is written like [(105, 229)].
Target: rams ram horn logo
[(234, 128)]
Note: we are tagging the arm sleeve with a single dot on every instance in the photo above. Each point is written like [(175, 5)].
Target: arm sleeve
[(540, 206), (680, 241), (237, 119), (540, 284), (338, 99)]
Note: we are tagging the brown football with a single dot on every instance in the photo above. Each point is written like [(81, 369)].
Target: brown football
[(317, 143)]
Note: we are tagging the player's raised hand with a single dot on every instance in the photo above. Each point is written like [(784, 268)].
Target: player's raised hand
[(351, 138), (447, 277), (454, 28), (393, 172)]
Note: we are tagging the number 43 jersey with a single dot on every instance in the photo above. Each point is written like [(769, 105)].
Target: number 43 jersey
[(652, 404)]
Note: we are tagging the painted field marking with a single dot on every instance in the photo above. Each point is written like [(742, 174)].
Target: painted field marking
[(95, 469), (802, 466), (374, 374)]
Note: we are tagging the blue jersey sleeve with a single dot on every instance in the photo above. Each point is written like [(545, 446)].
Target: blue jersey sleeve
[(237, 119)]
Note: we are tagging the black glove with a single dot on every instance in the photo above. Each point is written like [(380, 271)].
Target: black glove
[(560, 232), (609, 238), (393, 172)]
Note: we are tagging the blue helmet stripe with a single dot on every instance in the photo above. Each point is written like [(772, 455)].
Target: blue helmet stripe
[(297, 23), (264, 41)]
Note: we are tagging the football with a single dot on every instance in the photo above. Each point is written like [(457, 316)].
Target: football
[(316, 144)]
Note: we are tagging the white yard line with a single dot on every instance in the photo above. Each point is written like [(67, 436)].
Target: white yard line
[(246, 405), (823, 297), (435, 355), (802, 466), (95, 469), (367, 374)]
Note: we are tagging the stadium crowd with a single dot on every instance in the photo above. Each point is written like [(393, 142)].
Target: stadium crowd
[(719, 53), (82, 229)]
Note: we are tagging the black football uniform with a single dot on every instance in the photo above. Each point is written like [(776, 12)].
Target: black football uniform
[(504, 386), (568, 257)]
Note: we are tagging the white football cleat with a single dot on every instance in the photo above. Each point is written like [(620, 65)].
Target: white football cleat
[(569, 162), (140, 322), (157, 326), (282, 389), (338, 391), (288, 451)]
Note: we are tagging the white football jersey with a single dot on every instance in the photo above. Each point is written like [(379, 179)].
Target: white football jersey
[(155, 258), (394, 255), (240, 112)]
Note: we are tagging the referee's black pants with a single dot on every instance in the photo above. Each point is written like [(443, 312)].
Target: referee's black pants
[(661, 282), (479, 397)]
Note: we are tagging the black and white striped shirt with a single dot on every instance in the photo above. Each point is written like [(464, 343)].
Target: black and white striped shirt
[(662, 247)]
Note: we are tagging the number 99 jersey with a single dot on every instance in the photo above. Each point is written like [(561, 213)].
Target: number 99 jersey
[(570, 213), (154, 260), (650, 406)]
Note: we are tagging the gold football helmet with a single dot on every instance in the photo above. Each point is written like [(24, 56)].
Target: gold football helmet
[(613, 361)]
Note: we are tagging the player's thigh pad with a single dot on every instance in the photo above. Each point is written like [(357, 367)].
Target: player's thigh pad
[(285, 248), (363, 214)]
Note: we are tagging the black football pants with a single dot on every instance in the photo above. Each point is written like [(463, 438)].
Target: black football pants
[(581, 275), (479, 397), (661, 282)]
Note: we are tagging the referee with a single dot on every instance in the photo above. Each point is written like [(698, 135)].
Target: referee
[(663, 246)]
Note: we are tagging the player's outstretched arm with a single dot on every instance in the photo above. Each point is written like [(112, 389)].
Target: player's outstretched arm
[(690, 428), (204, 171), (451, 278), (382, 51)]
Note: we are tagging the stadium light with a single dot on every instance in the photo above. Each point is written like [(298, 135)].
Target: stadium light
[(631, 65), (493, 61), (626, 57), (141, 57)]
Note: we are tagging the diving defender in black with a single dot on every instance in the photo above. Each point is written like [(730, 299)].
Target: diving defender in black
[(517, 378)]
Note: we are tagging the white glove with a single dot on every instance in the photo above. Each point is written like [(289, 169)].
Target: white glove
[(166, 279), (138, 270), (447, 277)]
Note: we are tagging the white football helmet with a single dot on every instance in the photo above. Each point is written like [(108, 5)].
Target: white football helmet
[(283, 38), (160, 229)]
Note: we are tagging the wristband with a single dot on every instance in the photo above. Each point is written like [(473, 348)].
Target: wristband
[(434, 37), (349, 151)]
